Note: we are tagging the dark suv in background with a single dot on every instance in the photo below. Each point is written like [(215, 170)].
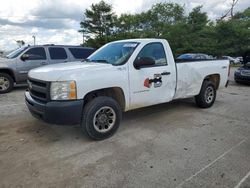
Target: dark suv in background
[(14, 67), (242, 74)]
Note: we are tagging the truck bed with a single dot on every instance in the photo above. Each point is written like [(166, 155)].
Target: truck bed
[(190, 75)]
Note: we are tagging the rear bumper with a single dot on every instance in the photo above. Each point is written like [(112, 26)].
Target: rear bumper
[(56, 112)]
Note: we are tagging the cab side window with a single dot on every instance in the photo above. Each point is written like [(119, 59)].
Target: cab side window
[(37, 53), (156, 52)]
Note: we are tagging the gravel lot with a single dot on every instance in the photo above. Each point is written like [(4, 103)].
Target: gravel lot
[(168, 145)]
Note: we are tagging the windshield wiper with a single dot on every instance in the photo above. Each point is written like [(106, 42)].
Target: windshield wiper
[(87, 60), (100, 60), (96, 60)]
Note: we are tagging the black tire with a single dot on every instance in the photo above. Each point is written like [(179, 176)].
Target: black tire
[(6, 78), (93, 109), (207, 95)]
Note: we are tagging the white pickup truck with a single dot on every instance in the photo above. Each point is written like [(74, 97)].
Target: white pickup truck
[(120, 76)]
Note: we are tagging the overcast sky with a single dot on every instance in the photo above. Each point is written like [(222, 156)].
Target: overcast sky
[(57, 21)]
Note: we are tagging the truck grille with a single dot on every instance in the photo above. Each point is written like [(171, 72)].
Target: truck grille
[(39, 90)]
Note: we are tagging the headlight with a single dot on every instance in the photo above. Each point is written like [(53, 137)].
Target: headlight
[(65, 90)]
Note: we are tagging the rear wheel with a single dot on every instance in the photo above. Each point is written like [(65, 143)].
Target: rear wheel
[(207, 95), (6, 83), (101, 118)]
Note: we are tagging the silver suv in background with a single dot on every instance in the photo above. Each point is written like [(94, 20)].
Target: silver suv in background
[(14, 67)]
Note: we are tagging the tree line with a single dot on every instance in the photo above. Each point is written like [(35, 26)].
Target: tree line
[(192, 33)]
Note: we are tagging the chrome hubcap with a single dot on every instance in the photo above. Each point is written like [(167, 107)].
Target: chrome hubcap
[(104, 119), (4, 83), (209, 94)]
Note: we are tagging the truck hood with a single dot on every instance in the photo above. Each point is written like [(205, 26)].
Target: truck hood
[(66, 71)]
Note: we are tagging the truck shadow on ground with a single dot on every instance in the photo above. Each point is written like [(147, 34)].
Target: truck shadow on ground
[(173, 105), (43, 133), (233, 83), (20, 87)]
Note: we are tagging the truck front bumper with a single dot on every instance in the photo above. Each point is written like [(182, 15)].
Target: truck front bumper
[(56, 112)]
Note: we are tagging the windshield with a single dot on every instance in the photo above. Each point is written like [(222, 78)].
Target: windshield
[(16, 52), (114, 53)]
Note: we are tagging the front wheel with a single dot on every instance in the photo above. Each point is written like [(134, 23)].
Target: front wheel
[(207, 95), (6, 83), (101, 118)]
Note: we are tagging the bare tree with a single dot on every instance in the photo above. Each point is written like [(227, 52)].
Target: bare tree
[(230, 11)]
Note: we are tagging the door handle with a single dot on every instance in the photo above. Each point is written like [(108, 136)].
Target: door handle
[(165, 73), (44, 63)]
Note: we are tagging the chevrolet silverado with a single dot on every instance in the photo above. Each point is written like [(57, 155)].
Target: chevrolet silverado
[(120, 76)]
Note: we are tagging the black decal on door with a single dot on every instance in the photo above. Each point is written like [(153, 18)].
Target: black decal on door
[(157, 80)]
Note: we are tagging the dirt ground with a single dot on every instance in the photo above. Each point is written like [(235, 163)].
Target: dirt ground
[(168, 145)]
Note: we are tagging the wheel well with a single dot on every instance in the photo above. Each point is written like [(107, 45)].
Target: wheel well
[(9, 72), (215, 78), (114, 92)]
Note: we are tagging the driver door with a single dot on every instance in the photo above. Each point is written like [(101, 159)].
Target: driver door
[(151, 84), (35, 57)]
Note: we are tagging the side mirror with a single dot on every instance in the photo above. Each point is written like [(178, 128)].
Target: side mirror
[(143, 62), (24, 57)]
